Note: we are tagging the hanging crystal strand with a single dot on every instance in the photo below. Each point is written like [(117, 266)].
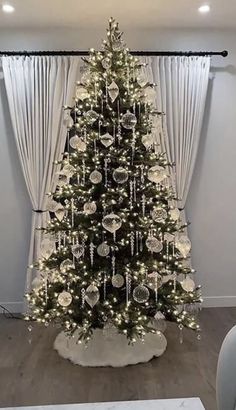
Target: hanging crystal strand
[(167, 252), (106, 87), (73, 256), (46, 289), (114, 132), (131, 194), (84, 172), (141, 241), (134, 186), (137, 241), (128, 79), (118, 120), (72, 212), (114, 236), (113, 262), (78, 179), (173, 249), (175, 281), (59, 240), (156, 288), (83, 245), (82, 297), (181, 336), (106, 161), (91, 250), (95, 92), (128, 287), (142, 173), (102, 104), (133, 146), (99, 128), (143, 201), (132, 243), (64, 239), (139, 111), (104, 287)]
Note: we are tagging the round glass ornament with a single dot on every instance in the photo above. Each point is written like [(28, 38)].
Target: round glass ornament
[(95, 177), (106, 63), (91, 116), (157, 174), (153, 244), (90, 208), (129, 120), (107, 139), (64, 299), (158, 214), (188, 284), (103, 249), (120, 175), (111, 222), (117, 280), (141, 294)]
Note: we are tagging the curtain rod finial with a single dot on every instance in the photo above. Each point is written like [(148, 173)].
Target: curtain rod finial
[(224, 53)]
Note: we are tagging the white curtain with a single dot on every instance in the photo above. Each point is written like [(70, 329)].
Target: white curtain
[(182, 84), (37, 88)]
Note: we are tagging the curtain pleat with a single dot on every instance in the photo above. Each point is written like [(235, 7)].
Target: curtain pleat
[(37, 88), (182, 84)]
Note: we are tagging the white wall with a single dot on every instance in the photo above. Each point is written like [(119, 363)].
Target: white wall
[(211, 203)]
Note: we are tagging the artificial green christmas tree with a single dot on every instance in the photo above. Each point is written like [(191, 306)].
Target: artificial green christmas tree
[(115, 250)]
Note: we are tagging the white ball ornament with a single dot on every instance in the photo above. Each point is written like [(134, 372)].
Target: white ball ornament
[(95, 177), (188, 284), (103, 249), (129, 120), (117, 281), (90, 208), (74, 141), (157, 174), (64, 299), (158, 214), (174, 214), (153, 244), (111, 222)]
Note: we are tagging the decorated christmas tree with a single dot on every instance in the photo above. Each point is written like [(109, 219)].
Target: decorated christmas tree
[(114, 251)]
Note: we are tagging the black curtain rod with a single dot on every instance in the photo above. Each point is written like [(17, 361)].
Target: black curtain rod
[(223, 53)]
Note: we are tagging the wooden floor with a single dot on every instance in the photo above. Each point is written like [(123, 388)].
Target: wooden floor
[(34, 374)]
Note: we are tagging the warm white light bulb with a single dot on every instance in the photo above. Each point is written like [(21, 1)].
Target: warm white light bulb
[(205, 8), (8, 8)]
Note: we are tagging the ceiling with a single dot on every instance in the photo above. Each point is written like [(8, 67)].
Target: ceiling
[(133, 14)]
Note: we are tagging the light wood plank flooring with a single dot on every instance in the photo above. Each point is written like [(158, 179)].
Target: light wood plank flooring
[(34, 374)]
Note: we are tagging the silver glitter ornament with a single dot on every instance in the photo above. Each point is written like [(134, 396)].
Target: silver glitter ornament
[(113, 91), (111, 222), (154, 280), (147, 140), (81, 93), (60, 213), (90, 208), (68, 170), (117, 280), (66, 265), (183, 244), (38, 283), (158, 214), (188, 284), (153, 244), (107, 139), (52, 205), (77, 250), (95, 177), (92, 295), (129, 120), (46, 248), (120, 175), (106, 63), (91, 116), (103, 249), (174, 214), (157, 174), (74, 141), (64, 299), (141, 294)]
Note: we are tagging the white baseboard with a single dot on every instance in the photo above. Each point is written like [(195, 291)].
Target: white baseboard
[(219, 301), (13, 307)]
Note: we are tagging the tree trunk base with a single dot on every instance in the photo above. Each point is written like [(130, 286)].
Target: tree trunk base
[(109, 348)]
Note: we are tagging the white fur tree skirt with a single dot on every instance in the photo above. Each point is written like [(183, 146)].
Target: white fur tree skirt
[(108, 348)]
